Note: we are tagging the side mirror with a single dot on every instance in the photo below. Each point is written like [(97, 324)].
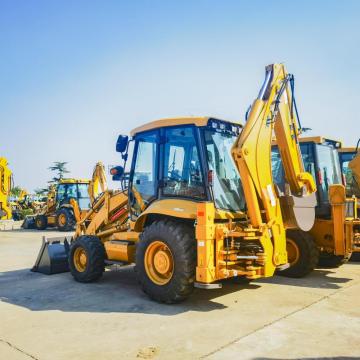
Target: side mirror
[(117, 173), (122, 143)]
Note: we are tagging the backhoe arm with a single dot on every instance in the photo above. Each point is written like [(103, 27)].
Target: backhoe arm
[(98, 182), (273, 111)]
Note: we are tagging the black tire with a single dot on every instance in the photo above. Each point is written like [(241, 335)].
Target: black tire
[(355, 256), (41, 222), (16, 216), (95, 253), (180, 240), (241, 280), (69, 218), (332, 261), (308, 254)]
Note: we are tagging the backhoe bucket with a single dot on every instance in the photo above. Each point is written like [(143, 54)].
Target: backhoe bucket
[(53, 256), (29, 222)]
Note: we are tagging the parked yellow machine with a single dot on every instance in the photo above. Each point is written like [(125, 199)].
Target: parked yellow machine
[(5, 188), (25, 204), (58, 210), (336, 229), (201, 205), (350, 165)]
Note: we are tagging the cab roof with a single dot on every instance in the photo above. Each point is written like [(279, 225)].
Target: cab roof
[(74, 181), (186, 120), (320, 140), (347, 150)]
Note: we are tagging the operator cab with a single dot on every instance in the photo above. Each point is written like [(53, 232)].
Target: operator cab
[(184, 158), (76, 190), (320, 159)]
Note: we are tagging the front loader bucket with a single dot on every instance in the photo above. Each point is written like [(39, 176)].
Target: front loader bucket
[(29, 222), (53, 256)]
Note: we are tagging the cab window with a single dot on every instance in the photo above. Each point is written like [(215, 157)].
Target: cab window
[(61, 192), (182, 173), (352, 188), (328, 170), (83, 196)]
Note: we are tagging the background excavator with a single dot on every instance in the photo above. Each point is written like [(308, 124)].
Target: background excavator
[(58, 210), (25, 204), (5, 188), (201, 205)]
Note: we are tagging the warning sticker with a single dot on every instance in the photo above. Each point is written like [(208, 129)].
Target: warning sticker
[(271, 195)]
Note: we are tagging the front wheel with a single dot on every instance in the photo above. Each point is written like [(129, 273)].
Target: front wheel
[(65, 220), (166, 261), (303, 255), (87, 258), (41, 222)]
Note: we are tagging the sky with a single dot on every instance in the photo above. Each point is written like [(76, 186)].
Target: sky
[(76, 74)]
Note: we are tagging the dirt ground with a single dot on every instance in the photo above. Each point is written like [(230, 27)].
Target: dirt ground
[(53, 317)]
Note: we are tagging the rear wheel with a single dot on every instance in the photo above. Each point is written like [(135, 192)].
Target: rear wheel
[(65, 220), (355, 256), (302, 252), (166, 261), (241, 280), (332, 261), (86, 258), (41, 222)]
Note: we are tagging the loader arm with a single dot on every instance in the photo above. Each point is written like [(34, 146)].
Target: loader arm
[(98, 182), (273, 111), (107, 207)]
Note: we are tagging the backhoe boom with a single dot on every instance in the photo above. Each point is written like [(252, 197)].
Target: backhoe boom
[(272, 112)]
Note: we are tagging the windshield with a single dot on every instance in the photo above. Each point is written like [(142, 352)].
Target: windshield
[(227, 188), (182, 170), (328, 169)]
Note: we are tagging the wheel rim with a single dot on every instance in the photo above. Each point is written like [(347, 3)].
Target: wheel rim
[(38, 222), (62, 219), (80, 259), (292, 251), (159, 263)]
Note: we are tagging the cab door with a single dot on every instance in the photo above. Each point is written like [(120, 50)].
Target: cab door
[(143, 184)]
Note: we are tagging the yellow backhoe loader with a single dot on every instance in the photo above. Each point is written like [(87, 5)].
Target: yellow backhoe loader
[(58, 210), (201, 205), (25, 204), (53, 254), (5, 188)]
